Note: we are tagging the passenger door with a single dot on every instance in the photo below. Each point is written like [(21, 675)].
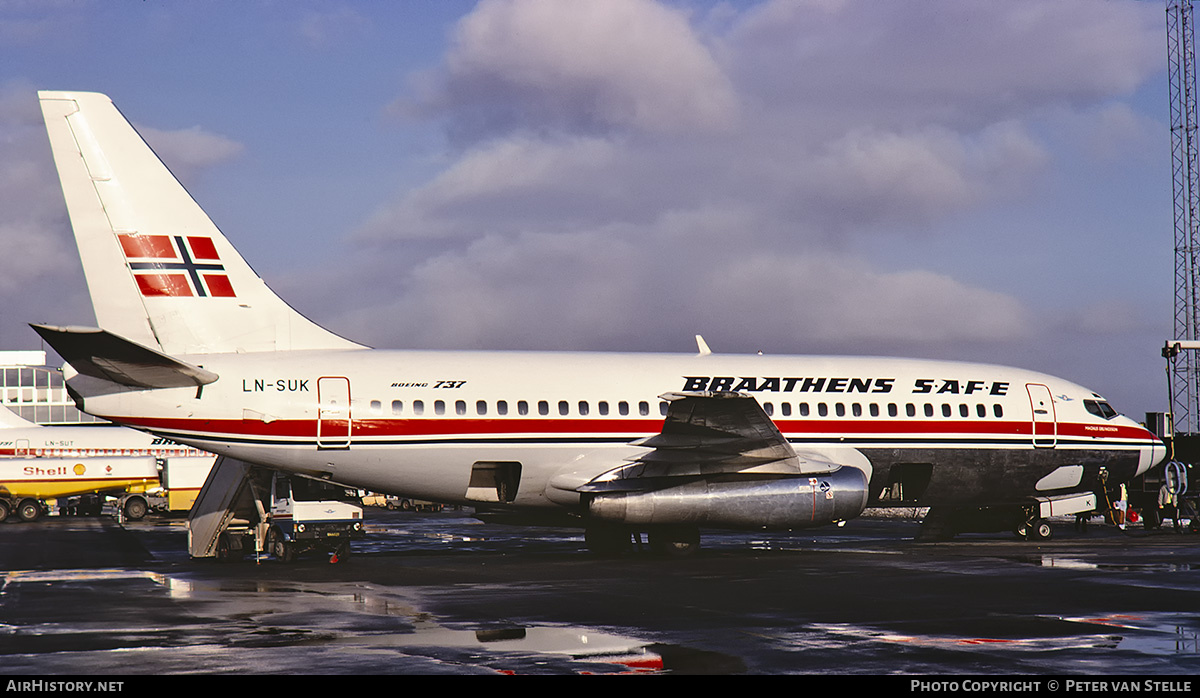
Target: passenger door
[(333, 419), (1043, 426)]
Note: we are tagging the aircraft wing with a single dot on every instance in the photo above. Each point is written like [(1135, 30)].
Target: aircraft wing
[(707, 435)]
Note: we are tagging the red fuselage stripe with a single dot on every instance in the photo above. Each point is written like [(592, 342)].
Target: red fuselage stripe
[(380, 428)]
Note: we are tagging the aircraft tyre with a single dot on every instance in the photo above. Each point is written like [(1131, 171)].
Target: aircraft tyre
[(607, 539), (135, 508), (1038, 529), (29, 510), (4, 510), (280, 547), (674, 541), (1034, 528)]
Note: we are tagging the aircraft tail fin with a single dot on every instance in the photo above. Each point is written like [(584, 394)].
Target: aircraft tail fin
[(159, 271)]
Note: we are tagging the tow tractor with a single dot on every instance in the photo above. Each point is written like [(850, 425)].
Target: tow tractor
[(244, 509), (305, 515)]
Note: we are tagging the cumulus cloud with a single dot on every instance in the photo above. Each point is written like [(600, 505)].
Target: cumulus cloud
[(189, 151), (962, 64), (652, 286), (581, 67), (628, 175)]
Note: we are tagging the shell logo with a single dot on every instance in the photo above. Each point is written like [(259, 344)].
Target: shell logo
[(79, 469)]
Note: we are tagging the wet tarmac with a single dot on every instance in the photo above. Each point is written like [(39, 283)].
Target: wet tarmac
[(448, 594)]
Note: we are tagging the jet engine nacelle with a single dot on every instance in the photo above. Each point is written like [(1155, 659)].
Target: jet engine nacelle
[(779, 503)]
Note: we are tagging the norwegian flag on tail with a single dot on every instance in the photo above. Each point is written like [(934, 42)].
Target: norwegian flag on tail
[(176, 265)]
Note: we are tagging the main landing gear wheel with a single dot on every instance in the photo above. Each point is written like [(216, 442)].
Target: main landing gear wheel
[(3, 511), (674, 541)]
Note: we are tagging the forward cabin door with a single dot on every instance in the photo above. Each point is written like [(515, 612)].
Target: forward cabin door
[(333, 418), (1044, 426)]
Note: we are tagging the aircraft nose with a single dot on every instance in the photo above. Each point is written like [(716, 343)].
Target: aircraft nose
[(1151, 455)]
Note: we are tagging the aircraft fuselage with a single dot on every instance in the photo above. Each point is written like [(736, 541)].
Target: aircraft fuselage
[(420, 424)]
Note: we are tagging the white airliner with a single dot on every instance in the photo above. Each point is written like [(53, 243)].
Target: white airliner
[(49, 462), (192, 345)]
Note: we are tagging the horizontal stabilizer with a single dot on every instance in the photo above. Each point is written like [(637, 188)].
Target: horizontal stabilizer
[(101, 354)]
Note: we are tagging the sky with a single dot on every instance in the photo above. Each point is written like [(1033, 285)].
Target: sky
[(954, 179)]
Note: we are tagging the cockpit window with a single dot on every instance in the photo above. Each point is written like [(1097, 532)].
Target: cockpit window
[(1100, 408)]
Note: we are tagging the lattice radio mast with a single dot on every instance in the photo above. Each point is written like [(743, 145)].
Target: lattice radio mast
[(1182, 375)]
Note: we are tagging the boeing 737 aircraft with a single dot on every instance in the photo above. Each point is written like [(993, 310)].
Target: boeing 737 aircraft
[(193, 346)]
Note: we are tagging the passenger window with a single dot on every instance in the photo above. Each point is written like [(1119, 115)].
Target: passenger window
[(501, 407), (439, 407), (874, 410), (397, 407), (893, 411), (822, 409), (543, 408), (910, 410), (964, 411), (768, 408), (946, 411), (376, 407), (928, 410), (856, 409), (418, 407), (997, 410), (460, 407), (623, 408), (602, 406), (481, 407), (786, 408), (583, 408), (981, 411), (564, 408), (644, 408), (522, 407), (840, 409), (662, 409), (803, 409)]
